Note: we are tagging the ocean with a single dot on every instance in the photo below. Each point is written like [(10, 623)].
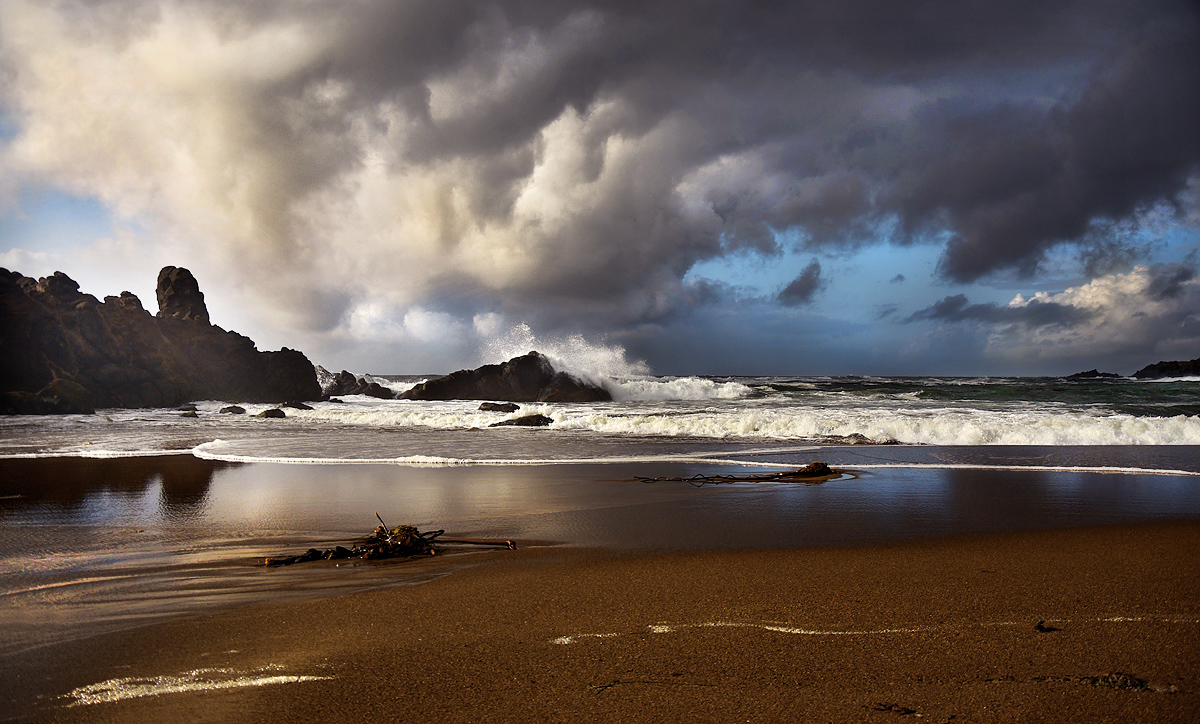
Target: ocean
[(725, 419), (127, 516)]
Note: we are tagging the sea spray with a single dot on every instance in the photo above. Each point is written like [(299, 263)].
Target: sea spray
[(595, 362), (609, 366)]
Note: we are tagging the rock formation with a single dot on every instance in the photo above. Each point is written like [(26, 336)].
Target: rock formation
[(347, 383), (529, 378), (1093, 374), (63, 351), (525, 421), (179, 295), (1159, 370)]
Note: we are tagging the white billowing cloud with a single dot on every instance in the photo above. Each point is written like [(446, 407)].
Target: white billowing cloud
[(488, 324), (1147, 312), (158, 123)]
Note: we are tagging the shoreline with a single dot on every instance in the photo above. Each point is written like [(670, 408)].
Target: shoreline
[(942, 627)]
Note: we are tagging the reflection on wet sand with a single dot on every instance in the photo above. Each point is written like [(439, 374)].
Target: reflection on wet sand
[(88, 545), (68, 483)]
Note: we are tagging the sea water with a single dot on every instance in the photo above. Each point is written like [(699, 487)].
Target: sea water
[(650, 418)]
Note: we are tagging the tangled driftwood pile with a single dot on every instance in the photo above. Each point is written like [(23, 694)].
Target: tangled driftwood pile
[(810, 474), (402, 541)]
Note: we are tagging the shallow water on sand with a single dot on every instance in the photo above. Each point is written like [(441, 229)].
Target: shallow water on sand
[(92, 545)]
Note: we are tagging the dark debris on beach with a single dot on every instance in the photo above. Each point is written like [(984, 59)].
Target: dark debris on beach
[(403, 541), (811, 474)]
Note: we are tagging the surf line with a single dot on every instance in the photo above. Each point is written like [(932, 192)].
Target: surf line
[(198, 680), (662, 628)]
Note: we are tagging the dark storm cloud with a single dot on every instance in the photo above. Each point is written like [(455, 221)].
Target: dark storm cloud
[(1011, 181), (883, 311), (1008, 172), (802, 289), (579, 158), (1116, 318), (1169, 283), (957, 308)]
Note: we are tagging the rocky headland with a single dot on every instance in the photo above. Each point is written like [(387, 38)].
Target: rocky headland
[(63, 351), (528, 378), (1159, 370)]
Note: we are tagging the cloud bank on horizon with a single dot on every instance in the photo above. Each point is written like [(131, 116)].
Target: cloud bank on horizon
[(392, 185)]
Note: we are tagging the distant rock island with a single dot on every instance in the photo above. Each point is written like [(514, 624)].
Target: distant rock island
[(528, 378), (62, 351), (1093, 375), (1158, 370)]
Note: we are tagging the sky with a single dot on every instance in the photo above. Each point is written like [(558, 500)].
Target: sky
[(789, 188)]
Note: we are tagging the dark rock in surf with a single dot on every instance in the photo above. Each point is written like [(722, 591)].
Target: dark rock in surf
[(234, 410), (60, 397), (499, 407), (1159, 370), (273, 412), (857, 438), (189, 413), (346, 383), (296, 405), (528, 378), (1093, 375), (526, 421), (62, 351)]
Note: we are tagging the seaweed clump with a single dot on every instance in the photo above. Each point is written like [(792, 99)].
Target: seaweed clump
[(402, 541)]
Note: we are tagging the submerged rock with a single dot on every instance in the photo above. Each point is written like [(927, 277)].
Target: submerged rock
[(526, 421), (528, 378), (499, 407)]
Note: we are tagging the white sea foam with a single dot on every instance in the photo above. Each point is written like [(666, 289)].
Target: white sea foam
[(930, 426), (679, 388)]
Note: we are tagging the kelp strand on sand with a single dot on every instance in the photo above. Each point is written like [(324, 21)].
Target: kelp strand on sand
[(403, 541), (810, 474)]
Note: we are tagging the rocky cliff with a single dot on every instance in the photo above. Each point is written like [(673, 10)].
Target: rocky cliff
[(64, 351)]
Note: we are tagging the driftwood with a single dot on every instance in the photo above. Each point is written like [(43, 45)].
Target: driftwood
[(810, 474), (402, 541)]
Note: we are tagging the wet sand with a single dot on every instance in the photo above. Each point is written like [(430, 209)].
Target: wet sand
[(942, 630)]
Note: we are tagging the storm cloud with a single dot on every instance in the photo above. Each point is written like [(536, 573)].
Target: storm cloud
[(802, 289), (568, 163), (1147, 313)]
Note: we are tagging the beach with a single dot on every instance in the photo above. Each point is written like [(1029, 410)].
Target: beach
[(940, 630), (135, 591)]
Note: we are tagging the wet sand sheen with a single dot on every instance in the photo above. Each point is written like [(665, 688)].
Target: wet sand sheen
[(942, 628), (605, 629)]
